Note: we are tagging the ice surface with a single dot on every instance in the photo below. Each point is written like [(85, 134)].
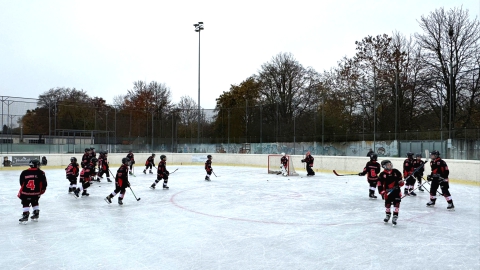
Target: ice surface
[(242, 219)]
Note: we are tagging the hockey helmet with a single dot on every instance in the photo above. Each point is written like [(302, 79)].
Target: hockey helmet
[(130, 151), (385, 164), (125, 161), (34, 163), (410, 155), (153, 155), (283, 154), (308, 153), (73, 159), (435, 153), (163, 157), (418, 155), (92, 148), (87, 149), (374, 157), (94, 160), (209, 156)]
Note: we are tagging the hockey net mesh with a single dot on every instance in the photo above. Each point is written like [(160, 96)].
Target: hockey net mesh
[(274, 165)]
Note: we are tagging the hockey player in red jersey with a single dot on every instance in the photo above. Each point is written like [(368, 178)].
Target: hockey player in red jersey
[(149, 164), (86, 176), (419, 163), (131, 157), (162, 173), (121, 182), (407, 171), (309, 161), (208, 167), (390, 181), (439, 177), (71, 172), (33, 183), (103, 167), (372, 169)]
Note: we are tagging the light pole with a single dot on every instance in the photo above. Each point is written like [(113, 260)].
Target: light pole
[(450, 34), (198, 28)]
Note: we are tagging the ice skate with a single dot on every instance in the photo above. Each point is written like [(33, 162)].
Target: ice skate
[(413, 193), (421, 189), (207, 178), (451, 207), (24, 218), (152, 186), (165, 186), (70, 190), (394, 220), (130, 173), (108, 179), (150, 172), (76, 192), (108, 199), (84, 193), (145, 171), (406, 192), (371, 194), (120, 201), (431, 203), (387, 218), (36, 215)]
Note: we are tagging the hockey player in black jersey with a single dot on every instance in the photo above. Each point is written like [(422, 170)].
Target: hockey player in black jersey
[(72, 172), (208, 167), (162, 173), (390, 182), (121, 182), (33, 183), (372, 169)]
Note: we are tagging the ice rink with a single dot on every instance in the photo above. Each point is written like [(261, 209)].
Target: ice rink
[(242, 219)]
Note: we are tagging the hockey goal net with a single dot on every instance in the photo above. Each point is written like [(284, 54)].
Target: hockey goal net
[(274, 165)]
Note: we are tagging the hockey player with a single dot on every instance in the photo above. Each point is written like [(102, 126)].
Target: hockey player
[(162, 173), (33, 183), (390, 181), (103, 167), (284, 164), (86, 176), (149, 164), (132, 161), (309, 161), (121, 182), (85, 158), (71, 172), (372, 169), (439, 177), (419, 163), (208, 167), (93, 154), (407, 171)]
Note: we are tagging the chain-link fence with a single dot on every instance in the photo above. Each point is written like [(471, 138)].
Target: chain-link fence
[(70, 127)]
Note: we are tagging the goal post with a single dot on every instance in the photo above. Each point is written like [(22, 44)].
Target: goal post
[(274, 165)]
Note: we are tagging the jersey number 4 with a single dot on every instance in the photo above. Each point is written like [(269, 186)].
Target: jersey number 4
[(31, 185)]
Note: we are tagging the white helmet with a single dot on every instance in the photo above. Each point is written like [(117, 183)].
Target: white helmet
[(283, 154)]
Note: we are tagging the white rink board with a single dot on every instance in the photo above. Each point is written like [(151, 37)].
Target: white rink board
[(243, 219)]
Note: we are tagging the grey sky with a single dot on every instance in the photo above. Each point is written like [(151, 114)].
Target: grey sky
[(102, 47)]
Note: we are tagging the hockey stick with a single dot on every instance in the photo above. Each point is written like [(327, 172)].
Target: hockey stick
[(426, 181), (335, 172), (214, 174), (422, 185), (134, 194), (174, 171)]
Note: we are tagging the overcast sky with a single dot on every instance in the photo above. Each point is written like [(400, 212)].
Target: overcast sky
[(102, 47)]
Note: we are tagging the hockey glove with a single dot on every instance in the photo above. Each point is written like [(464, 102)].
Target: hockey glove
[(429, 178), (167, 173), (303, 160), (384, 195), (361, 174)]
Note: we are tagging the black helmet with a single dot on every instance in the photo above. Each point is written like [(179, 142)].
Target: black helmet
[(385, 162), (87, 149), (125, 161), (153, 155), (418, 155), (435, 153), (34, 163), (162, 157), (73, 159), (373, 156), (94, 160), (92, 148), (209, 156), (410, 154), (130, 151)]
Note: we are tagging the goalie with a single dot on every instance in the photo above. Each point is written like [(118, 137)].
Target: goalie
[(284, 166)]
